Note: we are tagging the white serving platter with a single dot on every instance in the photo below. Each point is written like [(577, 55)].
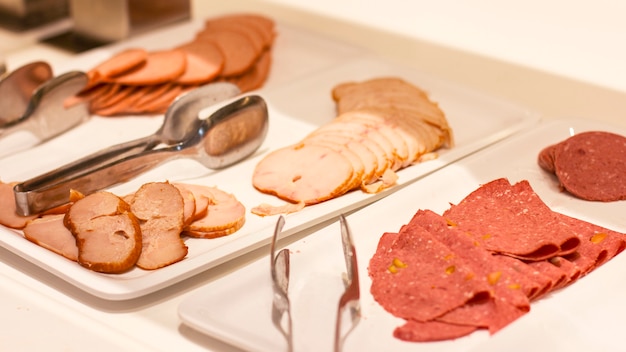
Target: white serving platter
[(305, 68), (586, 316)]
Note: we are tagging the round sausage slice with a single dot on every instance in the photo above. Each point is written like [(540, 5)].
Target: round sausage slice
[(592, 166)]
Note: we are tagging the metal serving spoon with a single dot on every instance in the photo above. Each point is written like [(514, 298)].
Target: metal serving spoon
[(17, 88), (228, 135), (40, 107)]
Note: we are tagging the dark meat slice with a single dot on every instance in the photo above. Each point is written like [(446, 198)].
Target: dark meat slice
[(592, 166)]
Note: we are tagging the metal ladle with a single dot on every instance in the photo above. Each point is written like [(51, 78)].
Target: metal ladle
[(228, 135)]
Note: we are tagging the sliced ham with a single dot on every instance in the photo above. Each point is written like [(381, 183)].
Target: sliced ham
[(159, 207), (107, 234)]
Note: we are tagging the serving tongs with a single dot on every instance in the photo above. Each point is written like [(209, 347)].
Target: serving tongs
[(31, 99), (227, 135), (348, 302)]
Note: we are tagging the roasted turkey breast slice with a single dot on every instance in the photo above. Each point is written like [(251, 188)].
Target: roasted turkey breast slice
[(49, 232), (303, 173), (107, 234), (8, 210), (225, 214), (159, 207)]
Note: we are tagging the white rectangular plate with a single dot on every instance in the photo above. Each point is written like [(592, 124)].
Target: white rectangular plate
[(586, 316), (298, 94)]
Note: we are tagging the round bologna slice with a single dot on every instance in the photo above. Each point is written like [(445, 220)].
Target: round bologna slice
[(160, 67), (592, 166), (303, 173)]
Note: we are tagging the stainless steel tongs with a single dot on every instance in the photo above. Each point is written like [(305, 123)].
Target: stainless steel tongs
[(229, 134), (348, 302)]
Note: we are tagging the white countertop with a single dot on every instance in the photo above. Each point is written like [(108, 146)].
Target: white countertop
[(524, 50)]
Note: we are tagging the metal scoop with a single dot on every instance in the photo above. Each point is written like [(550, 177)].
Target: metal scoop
[(30, 99), (228, 135)]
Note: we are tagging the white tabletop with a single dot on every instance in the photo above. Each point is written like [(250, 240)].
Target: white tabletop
[(561, 43)]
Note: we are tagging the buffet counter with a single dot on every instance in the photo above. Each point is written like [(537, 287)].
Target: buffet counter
[(560, 63)]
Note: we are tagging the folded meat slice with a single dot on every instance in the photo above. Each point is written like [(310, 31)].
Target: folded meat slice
[(488, 212), (412, 275), (107, 234), (159, 207), (49, 232)]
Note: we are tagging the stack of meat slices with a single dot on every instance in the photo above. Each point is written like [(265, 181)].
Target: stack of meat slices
[(481, 263), (111, 234), (383, 125), (234, 48)]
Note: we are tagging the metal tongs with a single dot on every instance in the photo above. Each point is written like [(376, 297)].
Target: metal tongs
[(32, 99), (228, 135), (350, 299)]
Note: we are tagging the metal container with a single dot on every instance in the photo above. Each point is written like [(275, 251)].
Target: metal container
[(113, 20), (25, 14)]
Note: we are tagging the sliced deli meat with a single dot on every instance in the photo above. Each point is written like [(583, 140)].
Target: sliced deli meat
[(160, 67), (236, 48), (50, 232), (159, 207), (300, 173), (8, 209), (365, 145), (416, 277), (512, 280), (224, 214), (487, 214), (589, 165), (107, 234)]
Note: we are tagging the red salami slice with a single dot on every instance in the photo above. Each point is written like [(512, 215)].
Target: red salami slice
[(590, 165), (508, 294), (414, 276), (490, 212), (597, 244)]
